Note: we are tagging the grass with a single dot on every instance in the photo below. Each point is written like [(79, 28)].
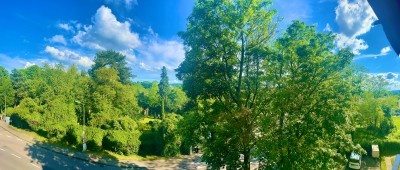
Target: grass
[(104, 153), (133, 157), (392, 159), (147, 120), (31, 134), (383, 163)]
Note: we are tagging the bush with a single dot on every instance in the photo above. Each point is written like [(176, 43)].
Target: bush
[(94, 138), (151, 140), (55, 131), (171, 137), (22, 118), (73, 135), (17, 120), (386, 147), (122, 142)]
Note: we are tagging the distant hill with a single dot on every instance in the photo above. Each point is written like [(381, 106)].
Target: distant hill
[(395, 91), (176, 84)]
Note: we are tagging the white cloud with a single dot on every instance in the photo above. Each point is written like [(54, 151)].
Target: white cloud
[(384, 52), (390, 77), (69, 56), (327, 28), (354, 18), (66, 27), (58, 39), (130, 55), (28, 64), (158, 53), (16, 62), (107, 33), (342, 41), (145, 67)]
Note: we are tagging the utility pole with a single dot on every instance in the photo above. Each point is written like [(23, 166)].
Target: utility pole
[(83, 129)]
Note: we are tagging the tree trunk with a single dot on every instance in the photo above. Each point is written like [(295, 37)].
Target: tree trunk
[(246, 162), (162, 109)]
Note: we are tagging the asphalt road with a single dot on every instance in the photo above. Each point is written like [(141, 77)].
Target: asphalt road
[(15, 153)]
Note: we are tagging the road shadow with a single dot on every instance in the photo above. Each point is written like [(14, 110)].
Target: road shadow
[(55, 158)]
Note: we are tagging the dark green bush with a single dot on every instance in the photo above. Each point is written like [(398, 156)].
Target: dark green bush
[(171, 137), (55, 132), (386, 147), (18, 121), (22, 118), (94, 138), (122, 142), (73, 135), (151, 140)]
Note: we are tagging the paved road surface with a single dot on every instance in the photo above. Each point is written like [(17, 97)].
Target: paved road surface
[(15, 153), (21, 152)]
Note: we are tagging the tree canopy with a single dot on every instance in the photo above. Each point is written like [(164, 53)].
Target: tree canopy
[(115, 60)]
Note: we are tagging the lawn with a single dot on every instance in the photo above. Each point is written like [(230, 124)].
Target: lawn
[(389, 145), (395, 134)]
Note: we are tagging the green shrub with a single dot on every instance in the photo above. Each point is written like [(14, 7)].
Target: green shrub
[(24, 119), (171, 138), (150, 142), (73, 135), (122, 142), (55, 131), (17, 120), (386, 147), (94, 138)]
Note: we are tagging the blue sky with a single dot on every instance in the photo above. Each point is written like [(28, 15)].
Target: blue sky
[(71, 32)]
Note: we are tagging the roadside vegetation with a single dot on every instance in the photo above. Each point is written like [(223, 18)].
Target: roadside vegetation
[(289, 101)]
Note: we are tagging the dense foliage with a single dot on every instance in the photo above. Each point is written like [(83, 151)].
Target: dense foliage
[(292, 101), (52, 101), (289, 101)]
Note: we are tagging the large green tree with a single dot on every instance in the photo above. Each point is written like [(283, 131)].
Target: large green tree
[(227, 44), (307, 124), (6, 89), (115, 60)]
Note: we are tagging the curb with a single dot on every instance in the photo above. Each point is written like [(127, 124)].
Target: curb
[(72, 156)]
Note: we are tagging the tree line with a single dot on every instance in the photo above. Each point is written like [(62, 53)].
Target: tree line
[(50, 100)]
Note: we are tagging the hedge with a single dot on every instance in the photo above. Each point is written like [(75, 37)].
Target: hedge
[(94, 138), (386, 147), (122, 142)]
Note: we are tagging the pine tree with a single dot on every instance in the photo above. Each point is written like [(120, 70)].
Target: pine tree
[(163, 89)]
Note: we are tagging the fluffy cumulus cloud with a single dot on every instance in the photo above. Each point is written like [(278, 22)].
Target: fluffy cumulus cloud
[(384, 52), (355, 44), (146, 54), (391, 78), (58, 39), (157, 53), (354, 18), (106, 32), (69, 56)]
